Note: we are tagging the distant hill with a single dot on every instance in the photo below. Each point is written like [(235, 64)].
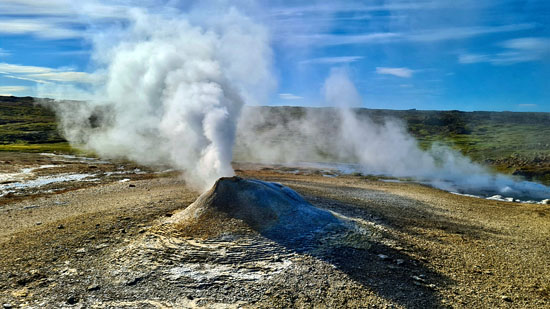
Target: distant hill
[(512, 142), (23, 121)]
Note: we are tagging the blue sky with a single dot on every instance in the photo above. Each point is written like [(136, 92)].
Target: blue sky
[(461, 54)]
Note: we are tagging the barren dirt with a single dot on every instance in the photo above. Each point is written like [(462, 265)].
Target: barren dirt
[(107, 244)]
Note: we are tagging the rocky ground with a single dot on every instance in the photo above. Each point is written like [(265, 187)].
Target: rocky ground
[(108, 244)]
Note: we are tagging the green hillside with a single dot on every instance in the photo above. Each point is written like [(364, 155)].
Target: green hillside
[(516, 143), (26, 126)]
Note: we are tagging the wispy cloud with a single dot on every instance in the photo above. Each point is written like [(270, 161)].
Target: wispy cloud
[(66, 8), (456, 33), (473, 58), (43, 74), (420, 36), (399, 72), (40, 28), (345, 39), (56, 19), (515, 51), (11, 90), (289, 96), (4, 53), (334, 7), (332, 60)]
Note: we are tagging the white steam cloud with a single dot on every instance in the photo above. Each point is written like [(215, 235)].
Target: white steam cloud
[(173, 91), (169, 88), (343, 135)]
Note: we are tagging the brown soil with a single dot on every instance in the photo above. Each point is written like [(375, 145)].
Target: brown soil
[(101, 245)]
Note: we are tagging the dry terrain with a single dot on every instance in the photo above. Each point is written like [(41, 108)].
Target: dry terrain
[(106, 243)]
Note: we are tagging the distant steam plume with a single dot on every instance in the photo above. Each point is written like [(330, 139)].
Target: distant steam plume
[(172, 92), (342, 135)]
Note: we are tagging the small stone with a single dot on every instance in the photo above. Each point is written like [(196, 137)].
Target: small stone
[(131, 186), (38, 223), (506, 298), (399, 261), (383, 257), (60, 227), (134, 281), (72, 300), (20, 293), (418, 278), (81, 250), (7, 306), (93, 287)]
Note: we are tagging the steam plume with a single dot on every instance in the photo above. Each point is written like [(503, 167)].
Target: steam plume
[(173, 91), (386, 148)]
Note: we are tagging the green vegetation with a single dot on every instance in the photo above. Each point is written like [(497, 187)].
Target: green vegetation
[(517, 143), (28, 127), (53, 148)]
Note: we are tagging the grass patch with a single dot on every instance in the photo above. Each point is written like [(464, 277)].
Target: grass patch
[(63, 148)]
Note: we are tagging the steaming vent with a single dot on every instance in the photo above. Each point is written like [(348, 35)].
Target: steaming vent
[(271, 209)]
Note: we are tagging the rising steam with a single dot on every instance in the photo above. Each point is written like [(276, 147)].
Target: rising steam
[(170, 89), (340, 134), (173, 91)]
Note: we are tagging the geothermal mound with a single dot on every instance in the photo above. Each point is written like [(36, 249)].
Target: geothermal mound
[(271, 209)]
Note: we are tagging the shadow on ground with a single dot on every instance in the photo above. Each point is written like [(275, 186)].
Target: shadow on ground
[(386, 267)]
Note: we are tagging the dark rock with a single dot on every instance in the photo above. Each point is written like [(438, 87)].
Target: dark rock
[(131, 186), (93, 287), (72, 300), (506, 298), (134, 281)]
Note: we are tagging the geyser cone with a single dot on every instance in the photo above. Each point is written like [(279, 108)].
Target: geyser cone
[(269, 208)]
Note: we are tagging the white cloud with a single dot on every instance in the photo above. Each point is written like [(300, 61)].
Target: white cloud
[(15, 68), (399, 72), (472, 58), (332, 60), (4, 53), (335, 39), (516, 51), (333, 7), (66, 8), (289, 96), (13, 88), (47, 29), (80, 77), (421, 36), (43, 74), (10, 90), (456, 33), (60, 19)]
